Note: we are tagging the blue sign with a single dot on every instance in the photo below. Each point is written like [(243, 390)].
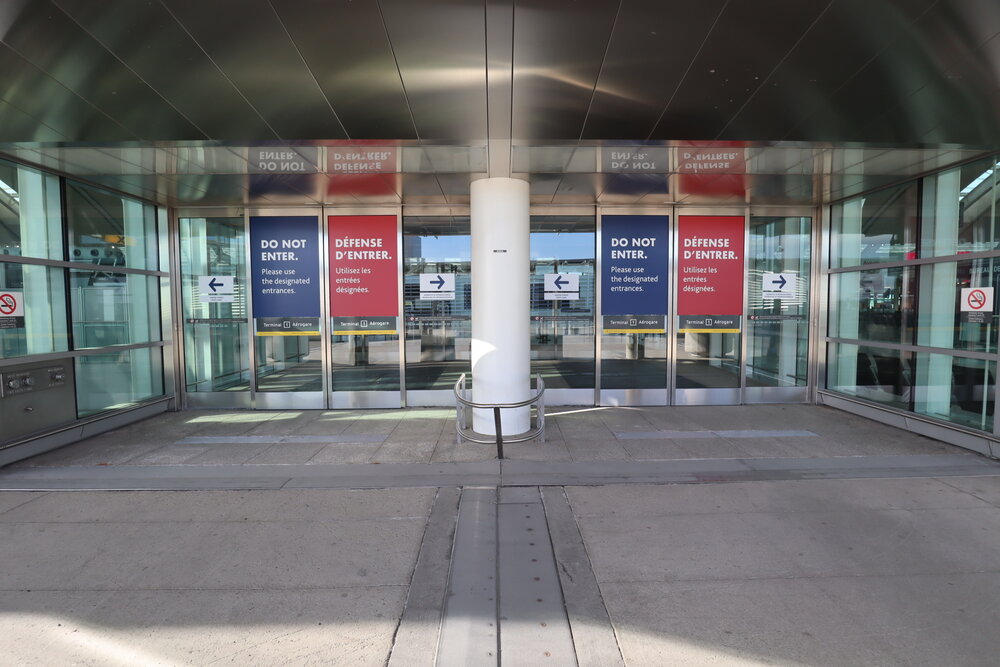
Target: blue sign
[(284, 275), (634, 250)]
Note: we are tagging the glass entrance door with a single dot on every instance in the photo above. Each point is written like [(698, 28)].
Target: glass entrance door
[(437, 306)]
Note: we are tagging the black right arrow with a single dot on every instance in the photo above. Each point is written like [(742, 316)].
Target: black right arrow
[(439, 282), (780, 283)]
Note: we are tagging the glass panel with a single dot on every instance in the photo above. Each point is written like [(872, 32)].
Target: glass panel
[(960, 210), (778, 328), (30, 223), (118, 379), (562, 332), (438, 332), (114, 308), (289, 363), (708, 360), (110, 230), (875, 374), (879, 227), (216, 349), (873, 305), (365, 363), (633, 361), (942, 322), (956, 390), (32, 310)]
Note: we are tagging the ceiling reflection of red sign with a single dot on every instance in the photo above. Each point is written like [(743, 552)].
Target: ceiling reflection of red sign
[(361, 168), (712, 168)]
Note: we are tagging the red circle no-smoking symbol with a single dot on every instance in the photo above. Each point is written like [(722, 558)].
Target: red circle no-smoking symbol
[(8, 304), (976, 299)]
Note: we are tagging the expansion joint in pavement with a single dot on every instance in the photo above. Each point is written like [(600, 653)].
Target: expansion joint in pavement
[(520, 588)]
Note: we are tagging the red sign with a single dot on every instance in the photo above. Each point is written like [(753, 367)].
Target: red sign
[(8, 304), (977, 299), (710, 265), (364, 276)]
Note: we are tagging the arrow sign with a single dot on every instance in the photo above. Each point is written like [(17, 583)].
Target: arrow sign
[(780, 286), (560, 281), (437, 286), (216, 289), (562, 286)]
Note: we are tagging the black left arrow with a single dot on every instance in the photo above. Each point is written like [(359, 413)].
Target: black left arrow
[(212, 284)]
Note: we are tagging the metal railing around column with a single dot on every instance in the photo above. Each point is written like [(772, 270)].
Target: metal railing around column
[(463, 404)]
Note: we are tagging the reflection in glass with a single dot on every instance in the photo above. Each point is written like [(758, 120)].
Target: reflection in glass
[(30, 223), (876, 374), (118, 380), (879, 227), (778, 329), (875, 305), (110, 230), (42, 294), (438, 332), (562, 332), (959, 210), (708, 360), (114, 308), (365, 363), (289, 363), (633, 361), (955, 389), (216, 353), (942, 320)]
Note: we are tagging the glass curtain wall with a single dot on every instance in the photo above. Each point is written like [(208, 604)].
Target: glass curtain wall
[(213, 255), (913, 296), (562, 330), (114, 298)]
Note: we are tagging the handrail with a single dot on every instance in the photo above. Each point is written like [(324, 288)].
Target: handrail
[(496, 407)]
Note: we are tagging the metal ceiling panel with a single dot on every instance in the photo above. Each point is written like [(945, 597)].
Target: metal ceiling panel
[(93, 73), (345, 46), (440, 48), (747, 43), (253, 50), (16, 123), (558, 54), (578, 189), (170, 62), (36, 94), (647, 59), (795, 102)]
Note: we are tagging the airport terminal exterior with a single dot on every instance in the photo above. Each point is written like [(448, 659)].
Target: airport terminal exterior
[(305, 204)]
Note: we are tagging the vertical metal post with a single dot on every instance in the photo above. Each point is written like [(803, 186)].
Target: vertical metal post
[(496, 422)]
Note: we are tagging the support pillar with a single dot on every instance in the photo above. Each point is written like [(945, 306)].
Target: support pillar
[(501, 346)]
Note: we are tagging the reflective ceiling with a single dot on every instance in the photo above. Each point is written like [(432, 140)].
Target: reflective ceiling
[(593, 101)]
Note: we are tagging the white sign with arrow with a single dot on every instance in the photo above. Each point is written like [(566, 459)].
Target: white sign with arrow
[(437, 286), (216, 289), (562, 286), (779, 286)]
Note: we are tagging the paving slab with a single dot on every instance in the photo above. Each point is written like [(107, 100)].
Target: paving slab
[(197, 627)]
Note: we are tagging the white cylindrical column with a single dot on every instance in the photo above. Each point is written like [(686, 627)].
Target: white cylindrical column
[(501, 346)]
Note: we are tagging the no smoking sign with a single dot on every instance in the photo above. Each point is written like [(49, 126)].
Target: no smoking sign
[(11, 305), (975, 303)]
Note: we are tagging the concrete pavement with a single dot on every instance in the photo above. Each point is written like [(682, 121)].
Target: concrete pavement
[(856, 545)]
